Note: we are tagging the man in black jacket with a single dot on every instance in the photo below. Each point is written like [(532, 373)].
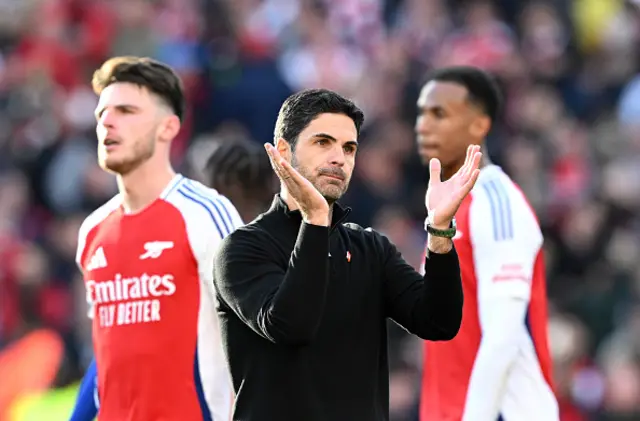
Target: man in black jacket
[(304, 297)]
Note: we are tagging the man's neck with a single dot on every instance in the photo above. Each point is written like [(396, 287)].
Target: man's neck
[(447, 173), (143, 186)]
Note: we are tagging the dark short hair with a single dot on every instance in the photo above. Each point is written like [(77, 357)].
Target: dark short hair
[(237, 162), (482, 88), (157, 77), (303, 107)]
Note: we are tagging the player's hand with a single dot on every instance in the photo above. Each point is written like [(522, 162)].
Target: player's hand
[(313, 206), (444, 197)]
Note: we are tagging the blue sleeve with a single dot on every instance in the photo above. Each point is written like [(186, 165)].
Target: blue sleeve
[(86, 407)]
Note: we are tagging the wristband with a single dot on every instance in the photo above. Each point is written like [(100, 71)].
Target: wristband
[(446, 233)]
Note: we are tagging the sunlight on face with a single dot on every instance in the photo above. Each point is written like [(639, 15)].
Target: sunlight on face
[(325, 154), (127, 120), (442, 125)]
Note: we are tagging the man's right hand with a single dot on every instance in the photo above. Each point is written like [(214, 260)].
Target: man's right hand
[(312, 205)]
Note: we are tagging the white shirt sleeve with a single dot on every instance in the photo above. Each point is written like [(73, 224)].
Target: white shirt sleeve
[(86, 226), (506, 240), (90, 222), (205, 233), (209, 218)]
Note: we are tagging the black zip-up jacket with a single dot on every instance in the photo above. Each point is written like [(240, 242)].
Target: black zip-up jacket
[(303, 313)]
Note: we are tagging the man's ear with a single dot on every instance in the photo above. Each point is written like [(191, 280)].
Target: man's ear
[(480, 127), (169, 128), (284, 149)]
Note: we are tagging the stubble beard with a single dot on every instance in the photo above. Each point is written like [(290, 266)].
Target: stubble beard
[(331, 193), (142, 152)]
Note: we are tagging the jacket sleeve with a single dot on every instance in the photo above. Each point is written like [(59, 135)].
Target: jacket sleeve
[(283, 305), (428, 306)]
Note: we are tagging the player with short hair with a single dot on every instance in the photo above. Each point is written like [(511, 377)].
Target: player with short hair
[(499, 363), (237, 169), (147, 256)]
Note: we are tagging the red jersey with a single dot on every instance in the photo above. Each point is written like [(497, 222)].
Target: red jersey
[(149, 286), (499, 364)]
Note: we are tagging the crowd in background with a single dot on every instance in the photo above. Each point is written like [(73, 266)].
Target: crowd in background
[(570, 137)]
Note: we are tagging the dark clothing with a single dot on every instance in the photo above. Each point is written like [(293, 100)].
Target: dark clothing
[(303, 312)]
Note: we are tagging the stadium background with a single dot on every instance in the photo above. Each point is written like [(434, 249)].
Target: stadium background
[(570, 138)]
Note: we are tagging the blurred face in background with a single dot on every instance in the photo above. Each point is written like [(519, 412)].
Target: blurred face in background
[(447, 124), (130, 120), (325, 153)]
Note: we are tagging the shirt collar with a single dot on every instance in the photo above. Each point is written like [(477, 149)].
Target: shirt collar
[(339, 214)]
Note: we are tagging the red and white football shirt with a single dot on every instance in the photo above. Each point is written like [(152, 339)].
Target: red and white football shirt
[(499, 364), (149, 286)]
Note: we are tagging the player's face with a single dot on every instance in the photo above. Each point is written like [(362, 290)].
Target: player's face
[(444, 123), (325, 154), (127, 117)]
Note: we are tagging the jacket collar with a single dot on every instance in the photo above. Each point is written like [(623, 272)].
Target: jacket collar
[(340, 213)]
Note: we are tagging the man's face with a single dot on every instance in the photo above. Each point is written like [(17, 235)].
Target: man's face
[(127, 121), (325, 154), (445, 124)]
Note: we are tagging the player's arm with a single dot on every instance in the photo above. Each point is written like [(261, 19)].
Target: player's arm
[(86, 407), (283, 305), (429, 305), (506, 240), (86, 226)]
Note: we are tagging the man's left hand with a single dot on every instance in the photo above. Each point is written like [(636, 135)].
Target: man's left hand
[(444, 197)]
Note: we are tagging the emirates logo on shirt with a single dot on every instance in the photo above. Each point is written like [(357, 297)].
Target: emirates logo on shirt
[(124, 301)]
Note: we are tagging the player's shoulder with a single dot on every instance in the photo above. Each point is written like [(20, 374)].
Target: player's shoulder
[(500, 206), (184, 192), (496, 191), (96, 217), (93, 220), (204, 205)]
